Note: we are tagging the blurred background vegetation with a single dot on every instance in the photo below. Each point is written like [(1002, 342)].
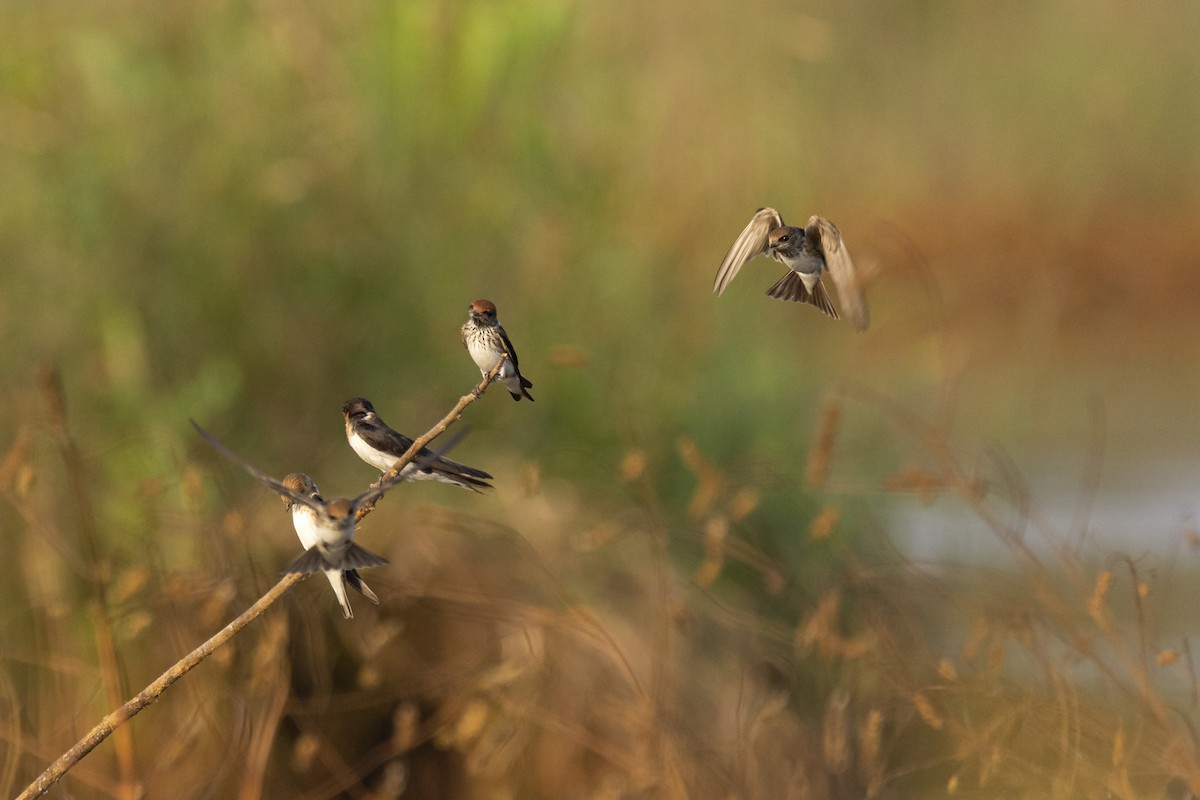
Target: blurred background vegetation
[(690, 580)]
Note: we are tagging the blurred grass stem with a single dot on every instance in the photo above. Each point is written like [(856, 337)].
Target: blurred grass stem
[(94, 568)]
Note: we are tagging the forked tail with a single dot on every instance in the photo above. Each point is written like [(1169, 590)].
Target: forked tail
[(791, 287)]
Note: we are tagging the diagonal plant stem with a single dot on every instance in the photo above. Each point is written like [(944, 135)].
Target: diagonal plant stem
[(117, 718), (151, 693)]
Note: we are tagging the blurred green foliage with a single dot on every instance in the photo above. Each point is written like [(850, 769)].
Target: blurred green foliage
[(248, 213)]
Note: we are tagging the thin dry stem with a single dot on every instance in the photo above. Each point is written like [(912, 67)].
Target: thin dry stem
[(151, 693)]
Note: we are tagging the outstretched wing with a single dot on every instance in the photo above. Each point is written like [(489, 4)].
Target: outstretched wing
[(261, 477), (841, 270), (752, 241)]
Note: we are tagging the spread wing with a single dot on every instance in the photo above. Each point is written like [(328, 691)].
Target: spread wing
[(841, 270), (261, 477), (752, 241)]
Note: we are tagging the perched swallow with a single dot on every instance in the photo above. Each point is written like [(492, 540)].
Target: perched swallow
[(332, 525), (806, 252), (305, 519), (486, 341), (381, 447)]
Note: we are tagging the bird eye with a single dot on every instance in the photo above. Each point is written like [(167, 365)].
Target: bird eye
[(784, 238)]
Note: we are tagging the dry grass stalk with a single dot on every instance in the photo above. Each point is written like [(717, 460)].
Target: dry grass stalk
[(1104, 582), (927, 712), (871, 763), (716, 534), (743, 503), (816, 474), (836, 739), (824, 523), (95, 566), (710, 480)]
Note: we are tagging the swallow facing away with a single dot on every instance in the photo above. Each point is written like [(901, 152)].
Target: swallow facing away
[(307, 524), (486, 341), (380, 446), (806, 252), (332, 526)]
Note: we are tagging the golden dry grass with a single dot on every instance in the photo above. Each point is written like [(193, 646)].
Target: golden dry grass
[(572, 656)]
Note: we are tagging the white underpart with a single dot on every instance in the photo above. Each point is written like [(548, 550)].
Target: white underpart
[(809, 279), (807, 266), (383, 461), (304, 519), (486, 358)]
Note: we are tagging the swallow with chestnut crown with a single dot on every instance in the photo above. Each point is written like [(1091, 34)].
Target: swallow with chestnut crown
[(305, 520), (486, 341), (332, 526), (381, 447), (806, 252)]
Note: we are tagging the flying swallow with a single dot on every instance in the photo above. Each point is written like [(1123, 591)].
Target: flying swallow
[(486, 341), (381, 447), (332, 524), (806, 252)]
